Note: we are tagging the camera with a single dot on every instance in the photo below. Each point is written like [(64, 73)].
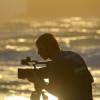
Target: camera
[(27, 73)]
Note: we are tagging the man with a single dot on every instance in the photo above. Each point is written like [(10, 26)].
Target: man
[(67, 72)]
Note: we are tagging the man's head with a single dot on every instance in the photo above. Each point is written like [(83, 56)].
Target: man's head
[(47, 45)]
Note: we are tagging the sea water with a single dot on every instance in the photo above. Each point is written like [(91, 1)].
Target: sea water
[(76, 34)]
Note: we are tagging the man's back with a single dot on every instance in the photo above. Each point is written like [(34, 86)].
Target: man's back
[(69, 77)]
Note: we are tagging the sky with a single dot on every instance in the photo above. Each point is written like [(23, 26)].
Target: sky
[(48, 9)]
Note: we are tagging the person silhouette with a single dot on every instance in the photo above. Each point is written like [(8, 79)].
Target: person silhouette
[(69, 77)]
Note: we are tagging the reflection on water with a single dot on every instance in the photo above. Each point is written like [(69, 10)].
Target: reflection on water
[(16, 98), (50, 97), (17, 48)]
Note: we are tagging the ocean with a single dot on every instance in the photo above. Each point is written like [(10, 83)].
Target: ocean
[(17, 41)]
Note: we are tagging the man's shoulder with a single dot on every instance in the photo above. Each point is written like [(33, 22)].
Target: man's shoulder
[(70, 54), (74, 58)]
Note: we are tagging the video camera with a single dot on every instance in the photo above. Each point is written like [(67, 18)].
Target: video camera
[(28, 73)]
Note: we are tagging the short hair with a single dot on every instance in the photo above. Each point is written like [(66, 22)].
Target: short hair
[(48, 41)]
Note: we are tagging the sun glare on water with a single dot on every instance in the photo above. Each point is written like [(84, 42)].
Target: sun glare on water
[(16, 98), (50, 97)]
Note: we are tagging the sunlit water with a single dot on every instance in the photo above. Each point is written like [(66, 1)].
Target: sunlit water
[(77, 34)]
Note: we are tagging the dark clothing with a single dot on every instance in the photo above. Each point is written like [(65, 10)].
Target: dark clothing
[(69, 77)]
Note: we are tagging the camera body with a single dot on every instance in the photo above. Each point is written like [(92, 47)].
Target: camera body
[(25, 73)]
